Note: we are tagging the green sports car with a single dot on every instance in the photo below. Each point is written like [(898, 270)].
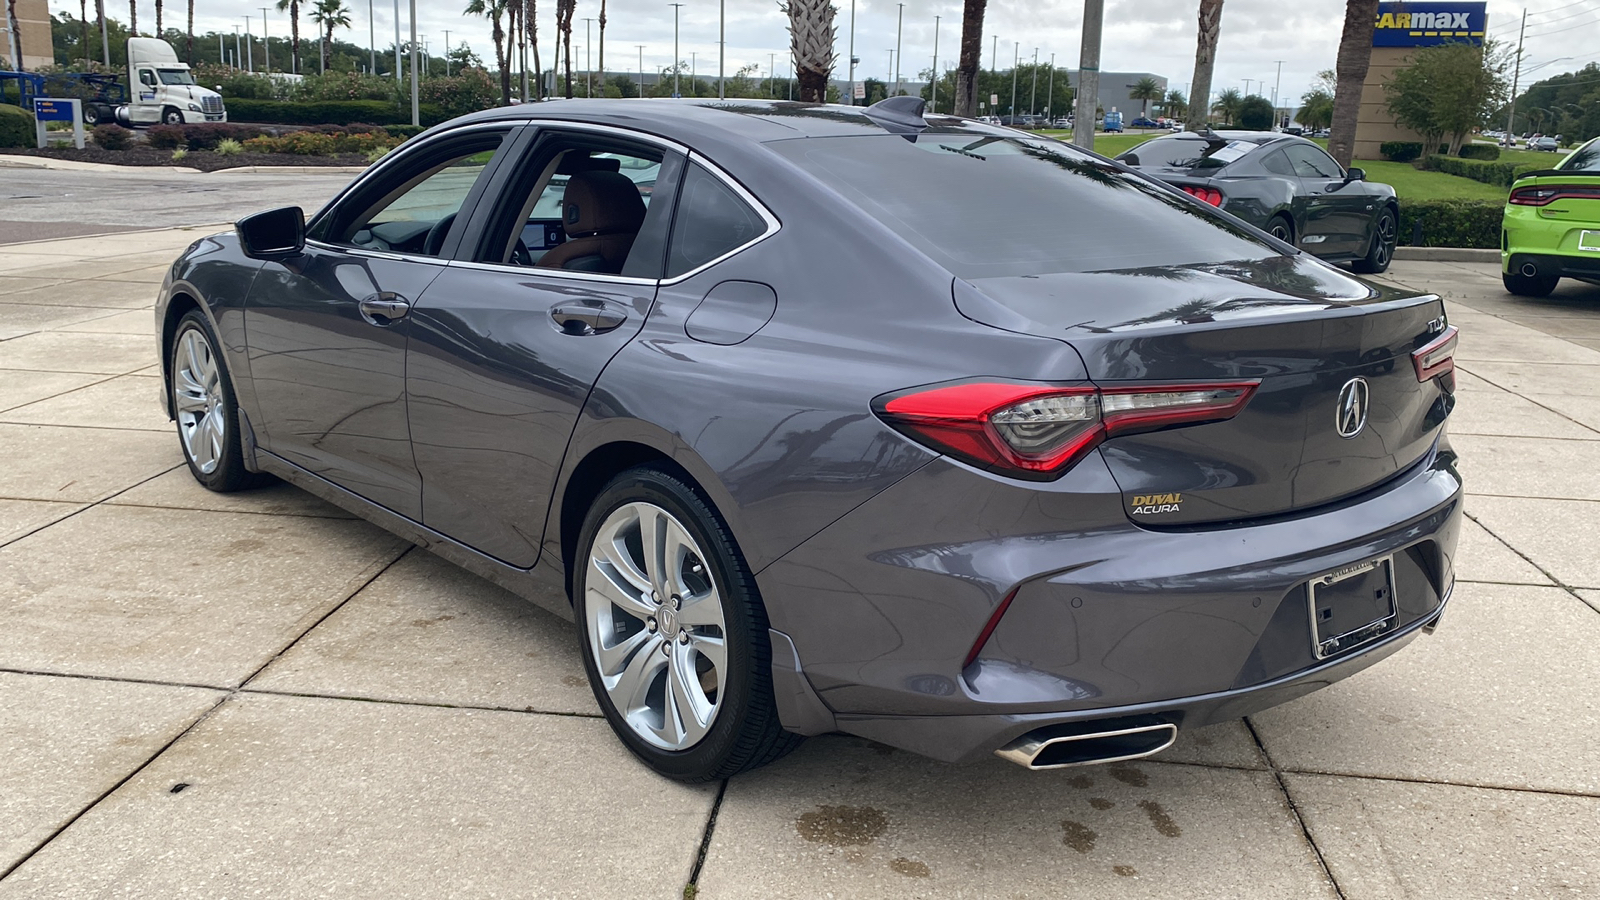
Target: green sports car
[(1551, 228)]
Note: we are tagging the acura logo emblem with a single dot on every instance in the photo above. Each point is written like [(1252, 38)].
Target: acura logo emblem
[(1352, 411)]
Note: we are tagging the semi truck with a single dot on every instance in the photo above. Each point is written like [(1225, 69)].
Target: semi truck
[(161, 90)]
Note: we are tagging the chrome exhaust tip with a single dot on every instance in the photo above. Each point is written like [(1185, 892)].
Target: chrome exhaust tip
[(1089, 743), (1529, 270)]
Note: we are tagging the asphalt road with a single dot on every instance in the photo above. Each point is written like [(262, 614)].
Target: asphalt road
[(38, 204)]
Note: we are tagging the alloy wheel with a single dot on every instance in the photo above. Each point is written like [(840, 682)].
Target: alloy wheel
[(197, 398), (656, 626), (1386, 239)]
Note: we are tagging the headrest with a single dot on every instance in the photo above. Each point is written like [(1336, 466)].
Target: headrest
[(574, 161), (601, 203)]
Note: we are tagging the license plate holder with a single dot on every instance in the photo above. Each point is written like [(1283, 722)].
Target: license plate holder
[(1589, 240), (1351, 606)]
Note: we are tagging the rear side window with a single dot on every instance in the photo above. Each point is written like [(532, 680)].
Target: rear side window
[(712, 221), (984, 205), (1583, 159), (1186, 153), (1278, 164)]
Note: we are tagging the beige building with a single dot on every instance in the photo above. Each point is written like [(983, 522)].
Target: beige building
[(1401, 29), (33, 21)]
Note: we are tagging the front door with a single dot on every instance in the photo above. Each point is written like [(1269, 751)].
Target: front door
[(555, 275), (328, 329), (1337, 218)]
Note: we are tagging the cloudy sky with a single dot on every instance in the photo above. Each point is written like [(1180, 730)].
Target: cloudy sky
[(1140, 35)]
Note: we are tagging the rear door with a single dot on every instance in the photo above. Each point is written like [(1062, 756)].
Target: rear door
[(1338, 212), (509, 340)]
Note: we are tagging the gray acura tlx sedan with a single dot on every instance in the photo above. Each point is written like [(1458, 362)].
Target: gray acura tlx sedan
[(821, 418)]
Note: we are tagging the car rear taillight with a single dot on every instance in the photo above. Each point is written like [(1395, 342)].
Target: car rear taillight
[(1209, 195), (1437, 357), (1545, 194), (1037, 431)]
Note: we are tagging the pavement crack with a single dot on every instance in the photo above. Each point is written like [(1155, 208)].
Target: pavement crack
[(693, 886), (1294, 810), (1570, 589), (84, 508)]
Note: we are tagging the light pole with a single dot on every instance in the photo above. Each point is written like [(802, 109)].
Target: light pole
[(852, 87), (447, 53), (934, 87), (641, 70), (722, 42), (1033, 95), (588, 76), (675, 89), (772, 80), (1275, 85), (105, 40), (1016, 63), (397, 76), (899, 22), (372, 35), (1050, 96), (694, 74), (416, 96), (249, 48), (238, 48), (266, 43)]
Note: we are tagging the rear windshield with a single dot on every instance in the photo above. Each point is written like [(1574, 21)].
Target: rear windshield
[(1186, 153), (985, 205), (1583, 159)]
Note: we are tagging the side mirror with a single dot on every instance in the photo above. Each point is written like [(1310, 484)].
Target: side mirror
[(1355, 175), (274, 234)]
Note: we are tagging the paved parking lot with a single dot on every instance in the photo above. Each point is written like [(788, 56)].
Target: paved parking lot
[(224, 696)]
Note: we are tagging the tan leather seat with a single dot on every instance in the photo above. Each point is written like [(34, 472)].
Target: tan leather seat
[(601, 212)]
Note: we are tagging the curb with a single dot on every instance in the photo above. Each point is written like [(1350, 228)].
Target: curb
[(72, 165), (1446, 254)]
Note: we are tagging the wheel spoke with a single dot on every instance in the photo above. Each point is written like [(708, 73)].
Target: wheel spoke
[(613, 585), (187, 399), (714, 649), (614, 659), (688, 704), (676, 546), (700, 610), (630, 688), (650, 538)]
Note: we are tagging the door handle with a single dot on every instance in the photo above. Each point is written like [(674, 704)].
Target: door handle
[(583, 318), (384, 308)]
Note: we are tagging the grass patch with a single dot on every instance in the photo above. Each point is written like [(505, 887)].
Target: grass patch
[(1108, 144), (1415, 184)]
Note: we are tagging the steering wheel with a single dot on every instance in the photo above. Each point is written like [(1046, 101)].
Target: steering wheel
[(434, 242)]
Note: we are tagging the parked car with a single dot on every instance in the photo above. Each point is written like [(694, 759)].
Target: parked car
[(1048, 461), (1552, 225), (1142, 122), (1287, 186), (1548, 144)]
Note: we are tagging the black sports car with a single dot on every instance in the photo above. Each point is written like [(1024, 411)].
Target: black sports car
[(1285, 185)]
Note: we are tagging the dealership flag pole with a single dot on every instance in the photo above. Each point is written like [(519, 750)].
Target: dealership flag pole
[(1511, 107)]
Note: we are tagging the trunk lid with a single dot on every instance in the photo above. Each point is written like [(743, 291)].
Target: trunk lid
[(1577, 202), (1302, 328)]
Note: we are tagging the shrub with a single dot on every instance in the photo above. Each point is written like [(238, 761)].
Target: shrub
[(16, 127), (324, 112), (405, 131), (1400, 151), (1499, 174), (376, 153), (314, 143), (166, 137), (179, 153), (1480, 151), (1472, 224), (112, 137), (229, 147), (346, 86)]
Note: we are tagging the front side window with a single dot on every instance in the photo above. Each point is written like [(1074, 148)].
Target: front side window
[(1583, 159), (413, 210), (147, 77), (712, 221), (986, 205)]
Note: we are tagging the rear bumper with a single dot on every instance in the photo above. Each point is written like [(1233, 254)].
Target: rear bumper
[(1106, 620), (1549, 244), (1563, 265)]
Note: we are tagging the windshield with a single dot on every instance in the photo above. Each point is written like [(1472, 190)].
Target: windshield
[(175, 76), (984, 205), (1583, 159), (1186, 153)]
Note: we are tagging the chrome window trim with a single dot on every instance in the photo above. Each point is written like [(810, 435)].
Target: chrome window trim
[(364, 253), (773, 224)]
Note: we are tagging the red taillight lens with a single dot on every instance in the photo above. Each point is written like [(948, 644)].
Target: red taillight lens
[(1038, 431), (1437, 357), (1209, 195), (1545, 194)]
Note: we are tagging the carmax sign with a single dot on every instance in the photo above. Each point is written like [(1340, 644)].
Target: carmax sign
[(1425, 24)]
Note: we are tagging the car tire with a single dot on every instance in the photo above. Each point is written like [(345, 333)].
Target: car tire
[(1385, 235), (171, 115), (91, 115), (206, 409), (1281, 228), (1529, 286), (691, 697)]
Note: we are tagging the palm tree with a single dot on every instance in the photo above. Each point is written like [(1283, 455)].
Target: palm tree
[(1176, 105), (1205, 59), (564, 13), (494, 10), (531, 24), (159, 32), (83, 25), (602, 47), (191, 33), (1355, 57), (330, 14), (1145, 90), (1227, 105), (966, 100), (811, 36), (15, 32), (293, 6), (1316, 109), (133, 18)]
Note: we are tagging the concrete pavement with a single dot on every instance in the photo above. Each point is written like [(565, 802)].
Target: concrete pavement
[(222, 695)]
